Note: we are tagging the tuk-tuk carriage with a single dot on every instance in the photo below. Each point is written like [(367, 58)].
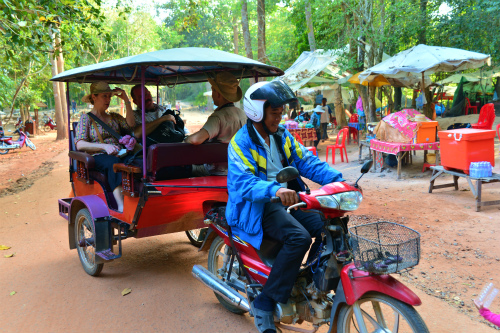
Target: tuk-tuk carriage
[(151, 206)]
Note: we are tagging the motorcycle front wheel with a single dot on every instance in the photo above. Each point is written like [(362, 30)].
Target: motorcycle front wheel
[(218, 264), (380, 313), (47, 128)]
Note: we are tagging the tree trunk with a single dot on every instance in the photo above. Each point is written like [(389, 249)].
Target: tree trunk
[(62, 88), (414, 99), (246, 30), (261, 31), (398, 95), (497, 86), (390, 103), (339, 106), (236, 34), (428, 107), (310, 28), (61, 130), (363, 92), (422, 39), (373, 106)]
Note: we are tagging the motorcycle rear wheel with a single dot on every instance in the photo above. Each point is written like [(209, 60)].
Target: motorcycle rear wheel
[(380, 313), (197, 236), (2, 150), (217, 266), (47, 128)]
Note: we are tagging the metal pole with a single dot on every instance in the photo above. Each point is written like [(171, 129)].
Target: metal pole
[(69, 116), (143, 109)]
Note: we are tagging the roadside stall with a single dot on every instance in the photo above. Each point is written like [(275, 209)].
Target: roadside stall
[(402, 132)]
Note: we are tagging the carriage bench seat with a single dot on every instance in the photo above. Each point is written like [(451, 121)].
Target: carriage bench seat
[(163, 155)]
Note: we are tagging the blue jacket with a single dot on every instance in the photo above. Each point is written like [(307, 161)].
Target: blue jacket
[(247, 182), (316, 120)]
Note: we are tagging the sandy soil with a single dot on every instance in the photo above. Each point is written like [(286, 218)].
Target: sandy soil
[(460, 254)]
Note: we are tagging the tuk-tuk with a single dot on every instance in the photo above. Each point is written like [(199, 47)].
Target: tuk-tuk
[(151, 206)]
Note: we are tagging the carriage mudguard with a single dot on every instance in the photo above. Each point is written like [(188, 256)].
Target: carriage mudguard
[(97, 209), (356, 283)]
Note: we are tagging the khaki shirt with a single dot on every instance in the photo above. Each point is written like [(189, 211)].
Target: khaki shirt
[(224, 122)]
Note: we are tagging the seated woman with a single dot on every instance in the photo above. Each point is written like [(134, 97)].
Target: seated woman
[(91, 138)]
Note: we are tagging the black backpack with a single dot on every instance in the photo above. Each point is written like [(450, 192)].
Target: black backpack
[(167, 131)]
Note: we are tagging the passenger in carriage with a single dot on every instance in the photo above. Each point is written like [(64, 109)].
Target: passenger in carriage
[(91, 138), (154, 112), (225, 121)]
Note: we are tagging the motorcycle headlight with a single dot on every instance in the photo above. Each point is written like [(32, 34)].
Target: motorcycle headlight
[(328, 201), (344, 201), (348, 200)]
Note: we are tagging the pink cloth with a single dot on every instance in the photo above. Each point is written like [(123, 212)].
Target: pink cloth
[(394, 147), (400, 121), (489, 316), (359, 104), (128, 141)]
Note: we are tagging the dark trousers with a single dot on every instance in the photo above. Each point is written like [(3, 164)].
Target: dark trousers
[(104, 163), (324, 134), (318, 136), (294, 231)]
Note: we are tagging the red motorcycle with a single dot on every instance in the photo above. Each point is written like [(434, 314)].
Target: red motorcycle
[(49, 125), (7, 144), (347, 283)]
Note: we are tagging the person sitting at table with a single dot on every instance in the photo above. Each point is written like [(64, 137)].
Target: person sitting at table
[(90, 137)]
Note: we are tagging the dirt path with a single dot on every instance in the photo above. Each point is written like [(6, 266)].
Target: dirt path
[(460, 255)]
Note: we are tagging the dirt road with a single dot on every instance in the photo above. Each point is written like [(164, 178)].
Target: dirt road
[(53, 294)]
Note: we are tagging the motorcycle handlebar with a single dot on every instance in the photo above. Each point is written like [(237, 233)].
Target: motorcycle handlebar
[(275, 199)]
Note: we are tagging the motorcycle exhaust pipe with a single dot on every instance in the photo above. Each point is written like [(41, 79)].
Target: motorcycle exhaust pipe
[(220, 287)]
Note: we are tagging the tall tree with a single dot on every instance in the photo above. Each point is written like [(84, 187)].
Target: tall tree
[(261, 31), (246, 30), (310, 28)]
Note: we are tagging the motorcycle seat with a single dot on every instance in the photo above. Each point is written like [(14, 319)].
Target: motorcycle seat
[(268, 251), (5, 137)]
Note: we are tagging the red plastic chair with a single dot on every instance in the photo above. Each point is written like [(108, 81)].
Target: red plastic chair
[(311, 149), (339, 144), (486, 117), (498, 132), (468, 106)]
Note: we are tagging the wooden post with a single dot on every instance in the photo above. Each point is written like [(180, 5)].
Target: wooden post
[(35, 129)]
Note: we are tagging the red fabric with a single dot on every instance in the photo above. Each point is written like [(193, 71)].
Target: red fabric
[(306, 134), (486, 117)]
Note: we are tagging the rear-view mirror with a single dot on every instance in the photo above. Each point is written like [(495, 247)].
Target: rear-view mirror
[(287, 174), (366, 166)]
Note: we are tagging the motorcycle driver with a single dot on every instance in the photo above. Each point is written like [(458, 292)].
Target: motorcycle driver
[(257, 152)]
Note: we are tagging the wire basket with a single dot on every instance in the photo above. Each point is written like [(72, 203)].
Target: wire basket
[(384, 247)]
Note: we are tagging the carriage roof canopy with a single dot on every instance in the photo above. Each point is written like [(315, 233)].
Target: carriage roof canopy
[(169, 67)]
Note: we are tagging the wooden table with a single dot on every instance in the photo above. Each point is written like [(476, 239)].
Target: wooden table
[(363, 143), (306, 134), (400, 150), (476, 190)]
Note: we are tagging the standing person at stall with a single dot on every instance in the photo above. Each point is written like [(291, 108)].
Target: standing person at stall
[(316, 122), (326, 118), (90, 137)]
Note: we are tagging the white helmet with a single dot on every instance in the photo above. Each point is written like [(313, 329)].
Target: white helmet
[(277, 93)]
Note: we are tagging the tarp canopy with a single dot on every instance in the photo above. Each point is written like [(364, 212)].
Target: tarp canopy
[(310, 64), (172, 66), (428, 59)]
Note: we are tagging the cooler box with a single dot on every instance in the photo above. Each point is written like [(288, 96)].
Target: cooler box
[(462, 146), (426, 133)]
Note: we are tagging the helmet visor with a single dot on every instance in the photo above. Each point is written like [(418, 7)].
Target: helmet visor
[(277, 93)]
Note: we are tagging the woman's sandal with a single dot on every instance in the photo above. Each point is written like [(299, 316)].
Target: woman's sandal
[(264, 320)]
